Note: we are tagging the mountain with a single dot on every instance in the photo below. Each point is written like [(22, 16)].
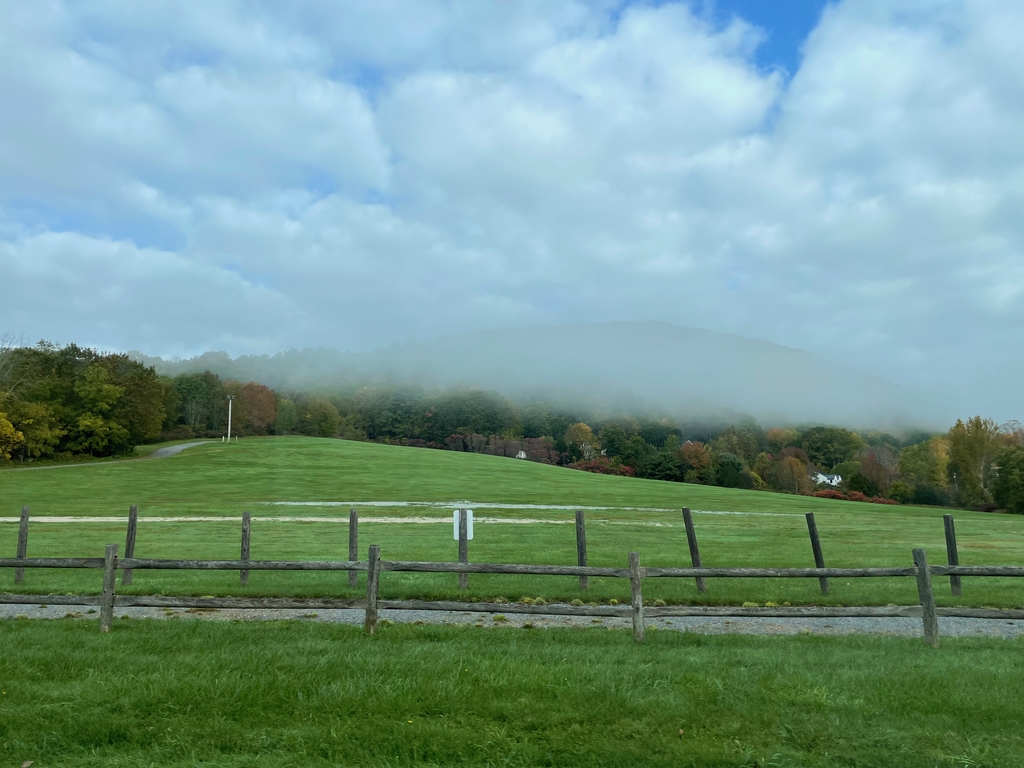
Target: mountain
[(658, 367)]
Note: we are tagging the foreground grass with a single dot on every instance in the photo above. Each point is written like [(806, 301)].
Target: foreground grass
[(221, 480), (185, 693)]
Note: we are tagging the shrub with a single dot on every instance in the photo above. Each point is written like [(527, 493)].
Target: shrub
[(859, 482), (856, 496), (603, 466), (881, 500), (830, 493), (901, 492)]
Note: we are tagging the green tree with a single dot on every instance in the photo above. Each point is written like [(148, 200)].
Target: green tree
[(973, 446), (861, 483), (637, 454), (729, 470), (1008, 487), (828, 446), (287, 416), (319, 418), (926, 463)]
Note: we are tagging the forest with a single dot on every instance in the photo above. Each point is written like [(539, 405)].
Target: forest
[(65, 403)]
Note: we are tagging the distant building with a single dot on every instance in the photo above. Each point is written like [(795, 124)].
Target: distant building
[(832, 480), (521, 455)]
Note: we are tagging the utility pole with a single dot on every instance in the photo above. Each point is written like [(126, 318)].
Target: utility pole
[(230, 398)]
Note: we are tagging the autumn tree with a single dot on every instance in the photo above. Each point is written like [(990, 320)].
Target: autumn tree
[(10, 438), (39, 427), (779, 438), (260, 405), (698, 463), (581, 441)]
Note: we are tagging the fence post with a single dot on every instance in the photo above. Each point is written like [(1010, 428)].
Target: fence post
[(581, 547), (463, 547), (691, 539), (19, 573), (819, 558), (372, 581), (243, 575), (129, 543), (353, 544), (924, 590), (952, 556), (636, 598), (109, 586)]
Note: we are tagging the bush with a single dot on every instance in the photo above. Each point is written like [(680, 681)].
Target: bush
[(881, 500), (930, 496), (603, 466), (856, 496), (184, 432), (861, 484), (901, 492), (830, 493)]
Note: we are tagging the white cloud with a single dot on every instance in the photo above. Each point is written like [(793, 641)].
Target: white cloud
[(348, 174)]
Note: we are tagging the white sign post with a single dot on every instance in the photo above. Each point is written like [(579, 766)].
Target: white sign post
[(469, 524)]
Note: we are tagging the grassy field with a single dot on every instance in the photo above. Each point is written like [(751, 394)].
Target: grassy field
[(220, 480), (189, 693)]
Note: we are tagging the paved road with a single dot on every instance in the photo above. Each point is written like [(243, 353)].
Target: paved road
[(159, 453), (174, 450)]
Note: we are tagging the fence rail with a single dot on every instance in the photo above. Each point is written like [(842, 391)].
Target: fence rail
[(109, 600)]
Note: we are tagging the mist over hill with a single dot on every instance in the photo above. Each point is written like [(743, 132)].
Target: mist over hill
[(654, 367)]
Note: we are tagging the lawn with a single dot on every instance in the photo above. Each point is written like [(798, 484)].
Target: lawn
[(193, 692), (221, 481)]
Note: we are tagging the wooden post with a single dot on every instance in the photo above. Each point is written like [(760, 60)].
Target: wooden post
[(819, 558), (636, 597), (19, 573), (353, 544), (372, 581), (581, 547), (129, 543), (109, 585), (463, 546), (243, 576), (924, 590), (952, 556), (691, 539)]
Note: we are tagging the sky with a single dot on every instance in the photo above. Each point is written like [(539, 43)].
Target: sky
[(844, 178)]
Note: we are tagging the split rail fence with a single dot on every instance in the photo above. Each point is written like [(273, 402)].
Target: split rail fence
[(110, 563)]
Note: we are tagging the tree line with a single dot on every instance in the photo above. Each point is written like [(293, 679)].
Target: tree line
[(62, 402)]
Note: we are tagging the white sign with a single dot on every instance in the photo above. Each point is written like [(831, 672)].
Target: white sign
[(469, 524)]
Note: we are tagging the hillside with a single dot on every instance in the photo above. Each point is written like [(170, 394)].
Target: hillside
[(685, 372)]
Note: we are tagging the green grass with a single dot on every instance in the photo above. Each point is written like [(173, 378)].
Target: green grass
[(223, 480), (189, 693)]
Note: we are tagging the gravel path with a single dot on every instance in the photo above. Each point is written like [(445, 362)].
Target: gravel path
[(904, 627)]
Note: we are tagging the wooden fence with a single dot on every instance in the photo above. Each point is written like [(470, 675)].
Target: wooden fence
[(108, 600), (463, 547)]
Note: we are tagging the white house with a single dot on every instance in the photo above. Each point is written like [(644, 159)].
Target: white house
[(521, 455), (832, 480)]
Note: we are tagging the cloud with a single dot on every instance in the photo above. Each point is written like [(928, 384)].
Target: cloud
[(355, 173)]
